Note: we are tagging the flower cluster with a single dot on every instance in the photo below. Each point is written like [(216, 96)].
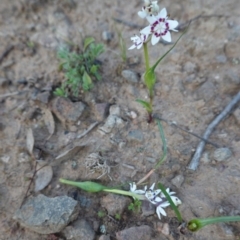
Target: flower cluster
[(159, 25), (152, 196)]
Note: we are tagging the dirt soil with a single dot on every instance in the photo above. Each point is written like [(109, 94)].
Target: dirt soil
[(195, 82)]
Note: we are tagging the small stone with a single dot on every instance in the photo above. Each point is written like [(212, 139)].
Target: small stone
[(130, 76), (135, 135), (114, 110), (148, 208), (43, 97), (104, 237), (67, 111), (80, 229), (222, 154), (107, 36), (221, 58), (133, 114), (5, 158), (140, 233), (100, 110), (23, 157), (178, 180), (232, 49), (205, 158), (47, 215), (165, 229), (150, 159), (115, 204)]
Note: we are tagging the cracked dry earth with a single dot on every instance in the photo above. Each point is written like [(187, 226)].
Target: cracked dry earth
[(195, 82)]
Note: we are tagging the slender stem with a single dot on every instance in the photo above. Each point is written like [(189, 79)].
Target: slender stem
[(164, 144), (126, 193), (146, 56)]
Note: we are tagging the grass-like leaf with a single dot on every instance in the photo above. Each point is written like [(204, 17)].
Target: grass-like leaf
[(175, 209)]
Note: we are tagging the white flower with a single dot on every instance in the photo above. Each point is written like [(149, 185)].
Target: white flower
[(138, 41), (160, 27), (149, 8), (169, 193), (133, 189)]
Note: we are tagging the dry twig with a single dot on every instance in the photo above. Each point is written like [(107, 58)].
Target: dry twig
[(226, 111)]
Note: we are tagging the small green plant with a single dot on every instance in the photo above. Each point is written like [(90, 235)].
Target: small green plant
[(101, 214), (135, 206), (80, 68), (117, 216)]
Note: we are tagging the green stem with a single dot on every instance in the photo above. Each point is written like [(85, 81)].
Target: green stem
[(164, 144), (146, 56), (126, 193), (196, 224)]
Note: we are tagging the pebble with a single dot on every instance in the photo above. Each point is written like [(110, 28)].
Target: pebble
[(104, 237), (107, 36), (115, 204), (80, 229), (178, 181), (148, 209), (5, 158), (143, 232), (135, 135), (44, 215), (100, 110), (221, 58), (67, 111), (222, 154), (130, 76)]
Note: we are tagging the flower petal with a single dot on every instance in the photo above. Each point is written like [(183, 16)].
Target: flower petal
[(172, 24), (151, 19), (132, 47), (139, 191), (152, 187), (167, 37), (160, 211), (154, 39), (142, 14), (162, 14), (146, 30)]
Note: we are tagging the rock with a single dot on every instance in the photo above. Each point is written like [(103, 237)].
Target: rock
[(5, 158), (43, 97), (107, 36), (221, 58), (112, 121), (115, 204), (130, 76), (178, 180), (135, 135), (140, 233), (47, 215), (67, 111), (206, 91), (80, 229), (43, 178), (222, 154), (23, 157), (205, 158), (148, 209), (104, 237), (100, 110)]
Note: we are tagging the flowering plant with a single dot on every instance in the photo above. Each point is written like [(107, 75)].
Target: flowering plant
[(159, 28)]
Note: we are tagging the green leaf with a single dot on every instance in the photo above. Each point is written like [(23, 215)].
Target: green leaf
[(145, 104), (165, 54), (175, 209), (149, 80), (59, 92), (87, 186), (87, 81), (87, 42)]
